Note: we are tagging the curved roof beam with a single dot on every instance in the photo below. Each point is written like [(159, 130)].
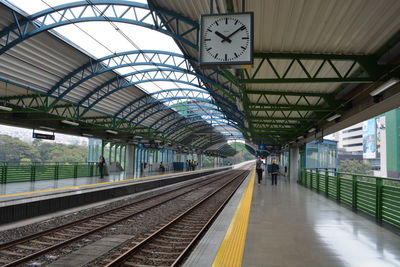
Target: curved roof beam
[(144, 102), (115, 61), (133, 105), (121, 60), (154, 107), (136, 105), (173, 128), (165, 120), (160, 122), (98, 10), (138, 77), (116, 11)]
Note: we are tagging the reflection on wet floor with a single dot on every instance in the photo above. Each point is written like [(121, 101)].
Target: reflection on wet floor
[(291, 225)]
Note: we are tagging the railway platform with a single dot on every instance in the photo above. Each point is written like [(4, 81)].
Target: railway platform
[(289, 225), (58, 195)]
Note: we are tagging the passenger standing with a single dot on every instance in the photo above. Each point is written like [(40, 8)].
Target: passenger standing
[(101, 164), (274, 172), (259, 169)]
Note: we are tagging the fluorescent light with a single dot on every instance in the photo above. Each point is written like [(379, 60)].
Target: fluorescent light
[(384, 86), (47, 128), (312, 130), (5, 108), (138, 137), (157, 141), (70, 122), (111, 132), (300, 137), (334, 117), (88, 135)]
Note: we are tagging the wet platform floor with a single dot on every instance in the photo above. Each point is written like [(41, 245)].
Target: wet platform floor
[(290, 225)]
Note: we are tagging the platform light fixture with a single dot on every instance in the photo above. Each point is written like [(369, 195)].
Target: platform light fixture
[(87, 135), (5, 108), (47, 128), (312, 130), (70, 122), (300, 137), (111, 132), (138, 137), (157, 141), (384, 86), (334, 117)]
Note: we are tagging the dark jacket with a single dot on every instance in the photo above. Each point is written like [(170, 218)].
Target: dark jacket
[(259, 164), (274, 168)]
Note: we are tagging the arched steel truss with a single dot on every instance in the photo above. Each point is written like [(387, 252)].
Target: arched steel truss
[(173, 118), (156, 58), (97, 10), (177, 76), (151, 104), (125, 12)]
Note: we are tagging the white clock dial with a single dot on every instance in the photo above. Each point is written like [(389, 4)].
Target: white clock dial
[(226, 39)]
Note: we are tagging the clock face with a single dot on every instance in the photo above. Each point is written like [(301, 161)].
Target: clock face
[(226, 39)]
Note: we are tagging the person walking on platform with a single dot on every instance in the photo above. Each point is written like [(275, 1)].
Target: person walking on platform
[(101, 164), (259, 169), (274, 172)]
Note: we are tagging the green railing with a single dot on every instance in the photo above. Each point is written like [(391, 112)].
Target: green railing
[(377, 196), (10, 172)]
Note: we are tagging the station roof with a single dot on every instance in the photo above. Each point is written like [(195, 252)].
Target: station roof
[(149, 96), (313, 60)]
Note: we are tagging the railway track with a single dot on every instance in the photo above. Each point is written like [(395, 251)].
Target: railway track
[(23, 250), (168, 245)]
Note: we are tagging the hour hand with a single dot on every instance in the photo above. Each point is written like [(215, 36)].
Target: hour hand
[(224, 38)]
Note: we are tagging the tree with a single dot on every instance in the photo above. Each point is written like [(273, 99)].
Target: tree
[(13, 150), (355, 166), (68, 153)]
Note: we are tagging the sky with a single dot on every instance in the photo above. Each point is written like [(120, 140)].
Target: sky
[(102, 39)]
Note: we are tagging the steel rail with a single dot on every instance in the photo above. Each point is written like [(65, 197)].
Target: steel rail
[(79, 236), (128, 253)]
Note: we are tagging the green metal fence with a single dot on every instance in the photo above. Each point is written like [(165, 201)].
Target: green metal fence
[(10, 172), (377, 196)]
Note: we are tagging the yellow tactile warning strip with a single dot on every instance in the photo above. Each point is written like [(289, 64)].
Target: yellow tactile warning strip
[(88, 185), (230, 252)]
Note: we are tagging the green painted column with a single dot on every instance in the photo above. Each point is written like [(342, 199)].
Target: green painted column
[(393, 143)]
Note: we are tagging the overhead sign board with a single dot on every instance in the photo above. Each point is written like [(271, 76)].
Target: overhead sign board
[(43, 136)]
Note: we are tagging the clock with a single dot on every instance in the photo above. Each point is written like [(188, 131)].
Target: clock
[(226, 39)]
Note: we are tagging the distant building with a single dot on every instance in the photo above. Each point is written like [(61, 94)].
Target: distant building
[(376, 141)]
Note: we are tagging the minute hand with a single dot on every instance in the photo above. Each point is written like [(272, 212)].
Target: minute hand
[(230, 35)]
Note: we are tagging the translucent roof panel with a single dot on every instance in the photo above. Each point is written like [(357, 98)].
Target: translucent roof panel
[(101, 39)]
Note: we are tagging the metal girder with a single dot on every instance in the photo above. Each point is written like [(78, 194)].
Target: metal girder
[(160, 59), (156, 106), (111, 62), (300, 68), (264, 118), (133, 106), (150, 75), (286, 107), (195, 119), (172, 117), (97, 10)]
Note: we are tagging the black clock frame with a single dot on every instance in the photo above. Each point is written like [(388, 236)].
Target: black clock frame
[(226, 64)]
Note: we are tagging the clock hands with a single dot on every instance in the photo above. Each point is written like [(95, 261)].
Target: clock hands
[(224, 38), (230, 35)]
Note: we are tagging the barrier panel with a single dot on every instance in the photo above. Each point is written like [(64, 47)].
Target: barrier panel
[(376, 196), (10, 172)]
